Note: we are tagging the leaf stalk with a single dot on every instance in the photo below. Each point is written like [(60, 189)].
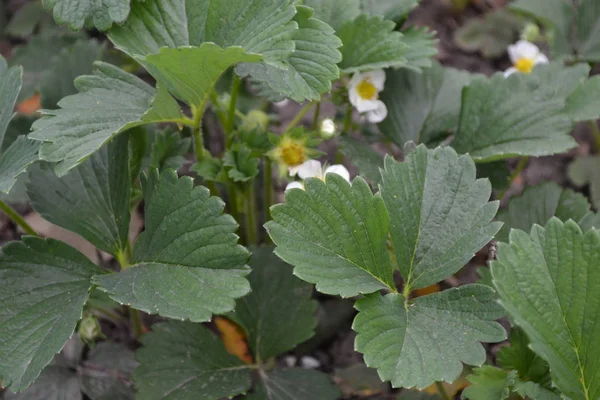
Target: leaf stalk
[(17, 219)]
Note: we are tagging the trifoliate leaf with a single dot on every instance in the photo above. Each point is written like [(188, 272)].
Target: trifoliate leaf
[(520, 358), (240, 164), (185, 361), (187, 263), (540, 203), (439, 212), (415, 343), (44, 284), (14, 161), (54, 383), (92, 200), (110, 101), (584, 103), (371, 43), (102, 13), (489, 383), (309, 71), (335, 12), (548, 282), (584, 171), (389, 9), (295, 384), (519, 115), (178, 69), (278, 314), (334, 234), (422, 46), (363, 156), (10, 84), (422, 106)]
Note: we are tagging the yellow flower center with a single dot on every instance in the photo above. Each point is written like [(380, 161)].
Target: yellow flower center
[(366, 90), (292, 152), (524, 65)]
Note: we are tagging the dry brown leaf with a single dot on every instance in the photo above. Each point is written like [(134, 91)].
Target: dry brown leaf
[(30, 106), (451, 389), (427, 290), (234, 339)]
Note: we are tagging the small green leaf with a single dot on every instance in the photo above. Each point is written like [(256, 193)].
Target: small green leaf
[(110, 102), (295, 384), (14, 161), (540, 203), (10, 84), (187, 263), (278, 314), (178, 69), (371, 43), (422, 106), (363, 156), (584, 103), (44, 284), (185, 361), (54, 383), (335, 12), (26, 19), (75, 13), (415, 343), (422, 46), (168, 150), (389, 9), (334, 234), (92, 200), (240, 164), (553, 271), (489, 383), (439, 212), (519, 115), (520, 358)]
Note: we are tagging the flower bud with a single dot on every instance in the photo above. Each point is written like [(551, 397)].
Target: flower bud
[(89, 329), (531, 32), (256, 119), (328, 129)]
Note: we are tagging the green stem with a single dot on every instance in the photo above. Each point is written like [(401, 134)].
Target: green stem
[(235, 90), (315, 124), (182, 121), (596, 133), (339, 157), (17, 219), (268, 200), (136, 322), (514, 175), (251, 214), (299, 116), (442, 391), (220, 114), (198, 140)]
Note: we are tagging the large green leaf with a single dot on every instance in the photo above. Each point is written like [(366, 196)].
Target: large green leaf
[(110, 102), (540, 203), (548, 282), (515, 116), (588, 31), (584, 103), (389, 9), (92, 200), (185, 361), (278, 314), (43, 287), (335, 12), (334, 234), (10, 84), (14, 161), (75, 13), (179, 69), (414, 343), (295, 384), (439, 212), (309, 71), (422, 106), (370, 43), (187, 263)]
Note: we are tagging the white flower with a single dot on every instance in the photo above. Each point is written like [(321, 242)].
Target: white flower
[(314, 169), (364, 91), (328, 128), (524, 55)]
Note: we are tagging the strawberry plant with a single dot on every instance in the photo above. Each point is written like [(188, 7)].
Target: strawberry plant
[(281, 157)]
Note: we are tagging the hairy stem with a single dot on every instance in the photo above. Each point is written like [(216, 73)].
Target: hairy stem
[(315, 124), (299, 116), (235, 90), (124, 258), (17, 219), (251, 236), (514, 175), (268, 200)]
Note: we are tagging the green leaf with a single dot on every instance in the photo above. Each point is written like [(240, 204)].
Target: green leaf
[(334, 234), (489, 383), (363, 156), (389, 9), (240, 164), (92, 200), (533, 391), (278, 314), (178, 69), (335, 12), (75, 13), (371, 43), (10, 85), (497, 172), (520, 358), (584, 103), (422, 46), (295, 384), (553, 272), (588, 28), (168, 151), (308, 72), (584, 171), (187, 263), (25, 20), (422, 106), (44, 284), (538, 204), (440, 215), (516, 116), (185, 361), (54, 383), (414, 343), (110, 102), (14, 161)]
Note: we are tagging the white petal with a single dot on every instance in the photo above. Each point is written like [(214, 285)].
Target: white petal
[(379, 114), (523, 49), (355, 98), (510, 71), (355, 80), (340, 170), (541, 59), (310, 169), (294, 185), (363, 105), (281, 103), (328, 128), (377, 78), (293, 171)]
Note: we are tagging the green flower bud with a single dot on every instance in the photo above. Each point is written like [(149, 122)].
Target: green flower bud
[(256, 119), (531, 32), (89, 329)]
